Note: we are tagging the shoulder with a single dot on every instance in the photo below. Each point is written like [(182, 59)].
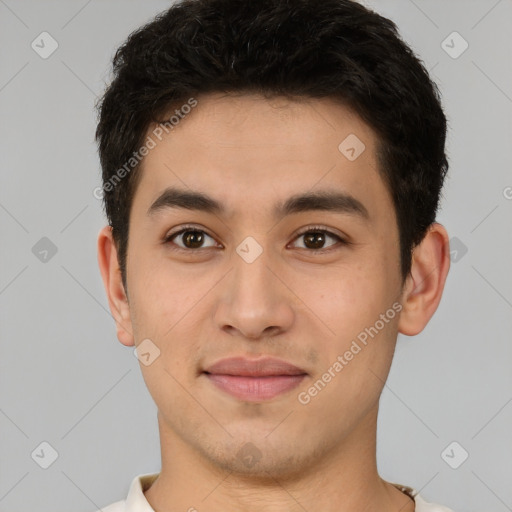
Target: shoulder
[(424, 506), (135, 500), (421, 505), (118, 506)]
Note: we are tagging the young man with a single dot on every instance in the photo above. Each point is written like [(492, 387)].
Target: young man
[(272, 172)]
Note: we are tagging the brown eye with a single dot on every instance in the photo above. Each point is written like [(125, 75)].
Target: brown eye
[(315, 239), (190, 239)]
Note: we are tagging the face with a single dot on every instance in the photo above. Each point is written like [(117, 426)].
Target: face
[(314, 282)]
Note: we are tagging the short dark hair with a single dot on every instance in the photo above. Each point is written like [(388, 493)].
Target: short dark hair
[(336, 49)]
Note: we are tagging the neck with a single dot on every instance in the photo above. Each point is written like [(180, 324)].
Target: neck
[(342, 479)]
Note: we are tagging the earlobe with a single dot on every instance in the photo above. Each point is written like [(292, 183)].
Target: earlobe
[(424, 286), (112, 281)]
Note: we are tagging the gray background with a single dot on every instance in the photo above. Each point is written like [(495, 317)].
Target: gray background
[(66, 380)]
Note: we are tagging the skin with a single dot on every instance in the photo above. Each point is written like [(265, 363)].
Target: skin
[(197, 308)]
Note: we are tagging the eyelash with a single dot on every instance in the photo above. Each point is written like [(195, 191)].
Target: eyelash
[(309, 229)]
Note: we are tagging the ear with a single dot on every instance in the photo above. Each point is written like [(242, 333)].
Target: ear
[(111, 275), (424, 285)]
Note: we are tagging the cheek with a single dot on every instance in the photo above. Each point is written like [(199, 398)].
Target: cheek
[(167, 307), (347, 306), (159, 292), (349, 300)]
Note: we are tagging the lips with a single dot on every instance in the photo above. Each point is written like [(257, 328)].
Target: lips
[(263, 367), (254, 380)]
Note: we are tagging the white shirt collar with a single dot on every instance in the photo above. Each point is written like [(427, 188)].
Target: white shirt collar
[(136, 501)]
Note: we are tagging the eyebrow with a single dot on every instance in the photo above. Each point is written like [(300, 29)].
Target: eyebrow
[(323, 200)]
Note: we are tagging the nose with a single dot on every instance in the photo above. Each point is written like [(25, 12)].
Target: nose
[(255, 301)]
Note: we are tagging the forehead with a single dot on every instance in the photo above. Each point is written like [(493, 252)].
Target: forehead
[(242, 122), (247, 151)]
